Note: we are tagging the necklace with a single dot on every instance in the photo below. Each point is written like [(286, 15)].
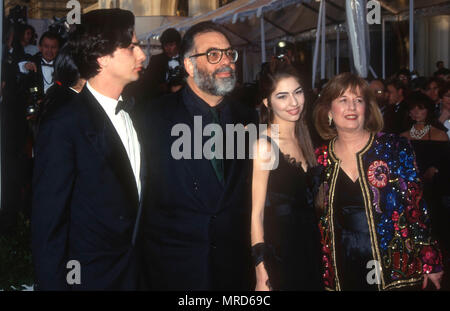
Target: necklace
[(418, 134)]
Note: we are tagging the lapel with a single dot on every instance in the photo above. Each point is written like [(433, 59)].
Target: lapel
[(106, 141), (200, 170), (40, 76)]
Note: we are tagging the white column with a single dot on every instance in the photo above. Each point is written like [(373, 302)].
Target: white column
[(338, 34), (263, 40), (1, 101), (322, 57), (316, 46), (411, 35), (383, 49)]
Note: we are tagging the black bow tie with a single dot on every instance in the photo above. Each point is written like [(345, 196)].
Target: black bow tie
[(126, 104), (45, 64)]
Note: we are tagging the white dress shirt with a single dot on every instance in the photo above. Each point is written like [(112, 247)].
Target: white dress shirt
[(124, 127), (47, 72)]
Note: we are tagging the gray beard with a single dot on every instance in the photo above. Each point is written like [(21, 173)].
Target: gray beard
[(211, 85)]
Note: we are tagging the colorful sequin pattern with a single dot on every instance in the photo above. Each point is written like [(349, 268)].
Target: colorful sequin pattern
[(400, 217)]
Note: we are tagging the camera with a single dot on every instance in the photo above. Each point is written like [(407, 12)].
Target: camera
[(281, 50), (17, 15), (175, 72), (60, 27)]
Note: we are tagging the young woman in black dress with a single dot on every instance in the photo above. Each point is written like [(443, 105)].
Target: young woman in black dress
[(285, 238)]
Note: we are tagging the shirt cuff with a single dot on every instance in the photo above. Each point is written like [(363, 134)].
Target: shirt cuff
[(22, 67)]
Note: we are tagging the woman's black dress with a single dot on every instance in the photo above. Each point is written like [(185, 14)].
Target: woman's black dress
[(436, 154), (353, 245), (290, 230)]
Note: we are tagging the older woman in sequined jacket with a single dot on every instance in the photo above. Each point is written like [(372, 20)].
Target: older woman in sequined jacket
[(374, 224)]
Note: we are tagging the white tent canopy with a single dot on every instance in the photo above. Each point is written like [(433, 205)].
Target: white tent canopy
[(289, 17), (256, 25)]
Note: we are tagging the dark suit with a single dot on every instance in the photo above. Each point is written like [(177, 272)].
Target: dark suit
[(32, 78), (195, 230), (85, 200), (396, 118)]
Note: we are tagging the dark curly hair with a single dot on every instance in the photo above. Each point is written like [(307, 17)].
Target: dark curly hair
[(100, 33), (187, 44), (66, 71)]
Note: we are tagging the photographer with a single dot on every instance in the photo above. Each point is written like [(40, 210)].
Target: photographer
[(164, 74), (39, 68)]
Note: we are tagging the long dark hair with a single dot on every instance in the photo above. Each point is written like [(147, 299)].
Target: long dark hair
[(418, 99), (270, 76)]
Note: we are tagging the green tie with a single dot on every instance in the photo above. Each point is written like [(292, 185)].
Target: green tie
[(216, 163)]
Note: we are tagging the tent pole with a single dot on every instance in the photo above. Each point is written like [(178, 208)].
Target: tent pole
[(1, 108), (322, 60), (411, 35), (316, 46), (337, 48), (263, 39), (383, 42)]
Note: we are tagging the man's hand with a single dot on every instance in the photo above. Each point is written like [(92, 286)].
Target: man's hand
[(435, 279), (30, 66)]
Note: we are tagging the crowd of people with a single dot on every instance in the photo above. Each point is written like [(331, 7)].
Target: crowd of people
[(362, 175)]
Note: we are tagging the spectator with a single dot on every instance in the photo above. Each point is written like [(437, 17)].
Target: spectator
[(444, 117), (26, 36), (164, 72), (432, 91), (395, 114), (377, 86)]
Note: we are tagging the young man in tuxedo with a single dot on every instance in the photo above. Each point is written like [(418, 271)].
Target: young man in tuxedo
[(196, 224), (89, 173)]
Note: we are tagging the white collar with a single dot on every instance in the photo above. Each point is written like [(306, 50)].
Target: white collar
[(108, 103), (49, 63)]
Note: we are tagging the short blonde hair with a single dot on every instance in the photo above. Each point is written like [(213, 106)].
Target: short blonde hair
[(373, 121)]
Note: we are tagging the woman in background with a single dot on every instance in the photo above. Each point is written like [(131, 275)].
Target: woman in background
[(285, 239), (374, 224), (432, 149)]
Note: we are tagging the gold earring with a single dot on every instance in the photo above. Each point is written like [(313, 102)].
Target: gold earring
[(330, 119)]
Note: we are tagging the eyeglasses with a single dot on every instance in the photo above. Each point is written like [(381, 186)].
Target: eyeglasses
[(214, 55)]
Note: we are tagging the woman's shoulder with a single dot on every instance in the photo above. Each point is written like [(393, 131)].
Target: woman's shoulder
[(438, 135), (390, 139)]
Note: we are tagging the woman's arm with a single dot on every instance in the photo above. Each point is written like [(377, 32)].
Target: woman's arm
[(260, 179)]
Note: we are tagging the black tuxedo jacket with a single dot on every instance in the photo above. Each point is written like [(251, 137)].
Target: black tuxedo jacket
[(85, 200), (195, 230), (35, 78)]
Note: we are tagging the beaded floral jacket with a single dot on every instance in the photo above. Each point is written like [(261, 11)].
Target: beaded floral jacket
[(397, 216)]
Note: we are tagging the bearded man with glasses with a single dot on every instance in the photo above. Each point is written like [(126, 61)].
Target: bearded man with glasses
[(196, 223)]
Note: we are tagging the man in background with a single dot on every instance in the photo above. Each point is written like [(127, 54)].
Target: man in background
[(164, 72)]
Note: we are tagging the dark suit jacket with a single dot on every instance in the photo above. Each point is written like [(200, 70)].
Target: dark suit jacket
[(396, 122), (85, 200), (34, 78), (195, 231)]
